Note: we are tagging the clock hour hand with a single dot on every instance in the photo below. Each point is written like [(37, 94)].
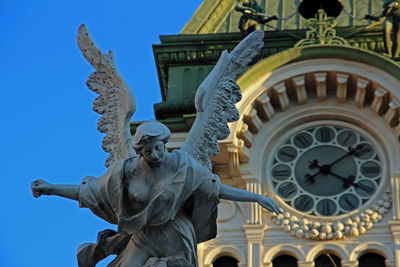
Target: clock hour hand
[(347, 181), (350, 181)]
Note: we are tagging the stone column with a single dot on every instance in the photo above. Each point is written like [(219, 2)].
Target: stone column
[(395, 227), (254, 235), (394, 224), (254, 229), (395, 187)]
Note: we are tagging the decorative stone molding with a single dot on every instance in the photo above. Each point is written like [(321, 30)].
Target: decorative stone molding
[(314, 229), (375, 247), (225, 250), (289, 249)]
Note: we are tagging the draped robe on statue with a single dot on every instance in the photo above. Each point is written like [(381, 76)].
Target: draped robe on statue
[(161, 211)]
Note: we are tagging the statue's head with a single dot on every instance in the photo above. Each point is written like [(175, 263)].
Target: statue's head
[(150, 139)]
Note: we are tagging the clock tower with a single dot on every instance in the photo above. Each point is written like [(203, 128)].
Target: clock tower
[(319, 132)]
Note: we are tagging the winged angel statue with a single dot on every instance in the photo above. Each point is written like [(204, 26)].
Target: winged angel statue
[(164, 203)]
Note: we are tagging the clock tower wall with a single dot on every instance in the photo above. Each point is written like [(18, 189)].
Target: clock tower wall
[(312, 93)]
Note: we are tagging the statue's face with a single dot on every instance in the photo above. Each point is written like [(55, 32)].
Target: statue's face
[(153, 152)]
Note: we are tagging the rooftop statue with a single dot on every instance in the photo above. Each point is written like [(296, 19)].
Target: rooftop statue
[(391, 13), (164, 203), (253, 16)]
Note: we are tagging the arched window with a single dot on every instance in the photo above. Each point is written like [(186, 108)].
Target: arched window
[(371, 260), (284, 261), (225, 261), (327, 260)]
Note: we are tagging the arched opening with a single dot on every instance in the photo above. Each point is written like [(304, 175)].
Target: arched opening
[(371, 260), (327, 260), (225, 261), (284, 261)]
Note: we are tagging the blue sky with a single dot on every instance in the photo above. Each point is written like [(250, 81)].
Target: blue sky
[(48, 129)]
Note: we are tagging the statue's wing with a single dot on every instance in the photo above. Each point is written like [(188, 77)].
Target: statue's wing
[(115, 102), (216, 97)]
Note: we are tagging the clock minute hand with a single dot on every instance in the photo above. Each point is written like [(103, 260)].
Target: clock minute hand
[(351, 151)]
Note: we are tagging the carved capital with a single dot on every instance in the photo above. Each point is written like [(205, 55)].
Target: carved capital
[(254, 232), (349, 263), (305, 264)]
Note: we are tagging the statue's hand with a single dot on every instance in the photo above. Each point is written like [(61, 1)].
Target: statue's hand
[(269, 204), (368, 16), (40, 187)]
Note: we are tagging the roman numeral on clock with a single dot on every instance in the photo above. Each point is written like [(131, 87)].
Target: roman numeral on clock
[(303, 203), (303, 140), (281, 173), (286, 190)]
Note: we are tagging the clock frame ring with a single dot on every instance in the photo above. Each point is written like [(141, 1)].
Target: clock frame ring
[(352, 223)]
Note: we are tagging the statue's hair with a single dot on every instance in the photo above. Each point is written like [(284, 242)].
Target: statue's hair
[(148, 131)]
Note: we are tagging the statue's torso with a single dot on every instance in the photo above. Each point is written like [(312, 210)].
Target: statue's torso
[(142, 183)]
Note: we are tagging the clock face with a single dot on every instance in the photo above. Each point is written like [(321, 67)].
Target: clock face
[(326, 170)]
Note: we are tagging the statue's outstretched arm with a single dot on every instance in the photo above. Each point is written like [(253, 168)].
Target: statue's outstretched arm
[(235, 194), (40, 187)]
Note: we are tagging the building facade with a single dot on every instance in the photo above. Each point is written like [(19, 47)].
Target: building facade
[(319, 132)]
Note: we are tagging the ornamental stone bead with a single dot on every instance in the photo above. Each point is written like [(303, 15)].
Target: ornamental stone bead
[(362, 230), (338, 226), (305, 228), (369, 225), (322, 236), (382, 211), (374, 216), (354, 232), (387, 204), (316, 224), (338, 234), (356, 219), (365, 217), (295, 226), (299, 233), (331, 235), (314, 233), (326, 228), (279, 217)]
